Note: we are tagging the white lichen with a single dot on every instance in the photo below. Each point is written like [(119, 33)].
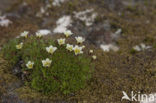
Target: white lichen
[(117, 34), (83, 16), (62, 24), (141, 47), (4, 22), (44, 31), (108, 47), (57, 2)]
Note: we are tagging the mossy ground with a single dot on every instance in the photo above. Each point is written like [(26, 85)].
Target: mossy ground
[(115, 71), (113, 74)]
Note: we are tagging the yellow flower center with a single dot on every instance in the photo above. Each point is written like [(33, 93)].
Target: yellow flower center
[(47, 64), (51, 50), (30, 66), (77, 50), (61, 41), (67, 35)]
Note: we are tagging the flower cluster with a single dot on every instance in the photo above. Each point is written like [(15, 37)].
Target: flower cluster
[(25, 34), (77, 49), (51, 49), (45, 63)]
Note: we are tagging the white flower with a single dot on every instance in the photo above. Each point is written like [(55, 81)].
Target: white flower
[(30, 65), (19, 46), (51, 49), (25, 34), (83, 47), (39, 35), (94, 57), (91, 51), (46, 63), (61, 41), (68, 33), (79, 39), (78, 50), (69, 47)]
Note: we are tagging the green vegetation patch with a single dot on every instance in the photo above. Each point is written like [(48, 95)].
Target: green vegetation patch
[(48, 65)]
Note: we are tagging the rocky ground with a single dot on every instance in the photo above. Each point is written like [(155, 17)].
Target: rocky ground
[(122, 30)]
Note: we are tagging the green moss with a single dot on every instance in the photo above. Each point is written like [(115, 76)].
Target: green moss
[(131, 8), (133, 51), (10, 52)]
